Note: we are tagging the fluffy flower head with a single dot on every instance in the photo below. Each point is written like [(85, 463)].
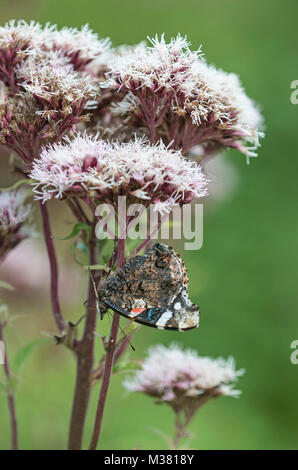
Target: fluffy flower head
[(54, 79), (89, 167), (15, 218), (173, 92), (53, 98), (18, 39), (81, 46), (175, 376)]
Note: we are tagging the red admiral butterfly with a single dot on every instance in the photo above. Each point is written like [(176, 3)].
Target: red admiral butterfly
[(151, 289)]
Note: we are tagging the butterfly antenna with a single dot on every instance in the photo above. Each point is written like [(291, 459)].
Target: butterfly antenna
[(95, 292), (124, 334)]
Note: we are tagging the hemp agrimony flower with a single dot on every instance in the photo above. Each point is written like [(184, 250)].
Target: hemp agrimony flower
[(176, 376), (82, 46), (172, 92), (15, 220), (90, 168), (184, 380), (51, 100), (18, 40)]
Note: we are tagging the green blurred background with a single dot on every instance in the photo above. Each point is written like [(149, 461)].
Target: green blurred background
[(245, 276)]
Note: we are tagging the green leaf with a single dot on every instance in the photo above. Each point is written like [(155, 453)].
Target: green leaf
[(6, 285), (24, 353), (76, 230), (130, 329), (96, 267), (18, 184), (125, 366), (79, 246)]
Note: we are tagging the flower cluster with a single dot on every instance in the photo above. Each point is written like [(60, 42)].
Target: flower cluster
[(15, 219), (53, 99), (173, 94), (50, 92), (18, 40), (181, 378), (88, 166), (82, 46)]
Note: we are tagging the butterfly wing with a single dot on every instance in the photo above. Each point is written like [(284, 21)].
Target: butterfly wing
[(181, 315), (152, 290)]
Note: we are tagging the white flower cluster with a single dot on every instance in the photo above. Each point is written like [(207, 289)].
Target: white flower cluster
[(161, 66), (31, 38), (47, 88), (55, 80), (13, 209), (82, 42), (169, 372), (24, 36), (15, 220), (89, 165), (168, 81)]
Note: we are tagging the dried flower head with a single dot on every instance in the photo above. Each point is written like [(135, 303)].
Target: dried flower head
[(18, 40), (15, 219), (183, 379), (54, 84), (87, 167), (173, 93), (52, 100)]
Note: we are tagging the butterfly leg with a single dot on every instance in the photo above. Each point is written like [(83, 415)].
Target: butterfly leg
[(97, 301)]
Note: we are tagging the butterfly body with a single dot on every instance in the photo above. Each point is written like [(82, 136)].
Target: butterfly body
[(151, 289)]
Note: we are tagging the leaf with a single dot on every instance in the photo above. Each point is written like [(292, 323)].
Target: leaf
[(6, 285), (24, 353), (96, 267), (130, 329), (77, 228), (125, 366), (17, 184), (81, 247)]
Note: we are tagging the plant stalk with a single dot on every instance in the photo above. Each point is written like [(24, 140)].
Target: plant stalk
[(53, 267), (10, 398), (85, 362), (108, 363)]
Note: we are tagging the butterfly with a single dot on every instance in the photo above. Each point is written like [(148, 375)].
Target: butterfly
[(151, 289)]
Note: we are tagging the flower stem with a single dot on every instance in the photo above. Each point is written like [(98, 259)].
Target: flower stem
[(85, 361), (109, 362), (54, 268), (10, 399)]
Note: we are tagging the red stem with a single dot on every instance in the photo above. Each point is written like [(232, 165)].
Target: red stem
[(10, 400), (54, 268), (109, 362), (85, 361)]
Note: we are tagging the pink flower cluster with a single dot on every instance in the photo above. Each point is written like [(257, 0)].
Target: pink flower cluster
[(172, 93), (15, 220), (46, 87), (99, 170), (181, 377)]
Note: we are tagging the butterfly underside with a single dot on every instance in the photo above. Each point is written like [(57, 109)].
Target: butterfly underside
[(151, 289)]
